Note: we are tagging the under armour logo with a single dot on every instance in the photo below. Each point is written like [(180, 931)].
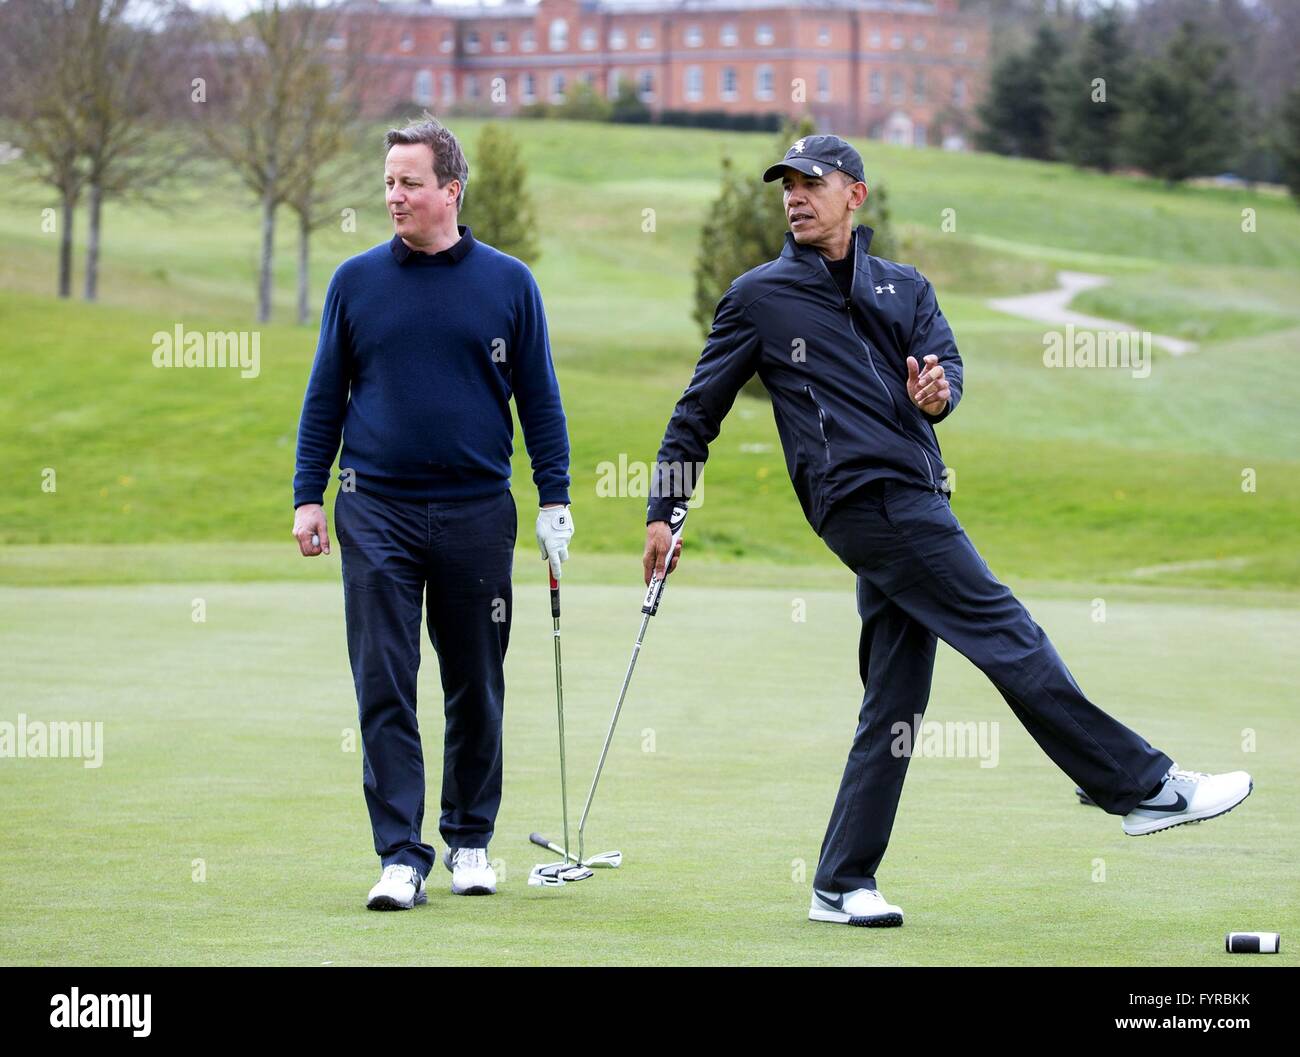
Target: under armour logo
[(798, 146), (887, 286)]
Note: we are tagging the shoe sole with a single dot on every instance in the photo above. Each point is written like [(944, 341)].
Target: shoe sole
[(473, 890), (1160, 828), (389, 903), (875, 921)]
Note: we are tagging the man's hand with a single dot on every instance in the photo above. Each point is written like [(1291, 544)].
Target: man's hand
[(927, 388), (309, 521), (554, 530), (658, 537)]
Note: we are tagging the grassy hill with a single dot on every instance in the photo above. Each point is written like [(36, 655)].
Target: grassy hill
[(1061, 474)]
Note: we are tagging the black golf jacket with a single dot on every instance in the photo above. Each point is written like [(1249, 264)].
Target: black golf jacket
[(836, 372)]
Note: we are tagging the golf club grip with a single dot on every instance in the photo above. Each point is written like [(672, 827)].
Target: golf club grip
[(656, 589), (539, 840), (555, 595)]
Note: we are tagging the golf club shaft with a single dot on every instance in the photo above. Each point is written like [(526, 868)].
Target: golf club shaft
[(559, 710), (550, 845), (648, 609)]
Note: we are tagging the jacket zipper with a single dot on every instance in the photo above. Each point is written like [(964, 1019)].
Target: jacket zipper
[(848, 310), (821, 420)]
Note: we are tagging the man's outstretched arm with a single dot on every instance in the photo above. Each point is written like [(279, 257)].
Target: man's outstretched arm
[(729, 360)]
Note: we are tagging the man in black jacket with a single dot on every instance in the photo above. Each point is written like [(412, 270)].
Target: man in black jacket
[(860, 364)]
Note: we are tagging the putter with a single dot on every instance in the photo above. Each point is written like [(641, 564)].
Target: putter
[(558, 873)]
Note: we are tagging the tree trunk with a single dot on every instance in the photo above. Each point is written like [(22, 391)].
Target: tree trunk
[(304, 257), (92, 243), (65, 247), (268, 248)]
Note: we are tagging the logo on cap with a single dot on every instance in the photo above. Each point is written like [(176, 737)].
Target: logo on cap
[(798, 146), (817, 169)]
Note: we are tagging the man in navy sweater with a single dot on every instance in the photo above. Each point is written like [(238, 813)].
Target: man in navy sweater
[(423, 341)]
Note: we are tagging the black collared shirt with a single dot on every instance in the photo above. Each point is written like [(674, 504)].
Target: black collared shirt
[(451, 255)]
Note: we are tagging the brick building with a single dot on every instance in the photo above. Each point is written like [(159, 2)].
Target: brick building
[(906, 71)]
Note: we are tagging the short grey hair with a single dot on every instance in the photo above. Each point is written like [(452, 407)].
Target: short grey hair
[(448, 159)]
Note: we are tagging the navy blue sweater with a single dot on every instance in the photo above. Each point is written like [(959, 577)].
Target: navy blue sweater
[(418, 357)]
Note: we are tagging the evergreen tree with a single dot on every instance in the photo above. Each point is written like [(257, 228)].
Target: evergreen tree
[(1289, 142), (1017, 114), (1090, 105), (1184, 120), (497, 204)]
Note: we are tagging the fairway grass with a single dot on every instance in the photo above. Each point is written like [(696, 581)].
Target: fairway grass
[(226, 757)]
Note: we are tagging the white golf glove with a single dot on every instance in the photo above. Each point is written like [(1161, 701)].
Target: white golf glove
[(554, 530)]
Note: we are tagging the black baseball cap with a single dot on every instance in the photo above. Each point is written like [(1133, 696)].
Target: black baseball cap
[(816, 156)]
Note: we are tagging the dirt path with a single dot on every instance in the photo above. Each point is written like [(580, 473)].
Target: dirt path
[(1052, 306)]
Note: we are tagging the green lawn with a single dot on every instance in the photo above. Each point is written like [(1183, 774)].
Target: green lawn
[(223, 742)]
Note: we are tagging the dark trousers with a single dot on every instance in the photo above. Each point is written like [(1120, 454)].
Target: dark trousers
[(919, 579), (454, 560)]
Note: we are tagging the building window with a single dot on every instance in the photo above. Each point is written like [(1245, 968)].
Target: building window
[(763, 82), (918, 42), (408, 42), (446, 43), (727, 37), (727, 82), (557, 88), (588, 78), (874, 39), (918, 87), (615, 78), (422, 90), (897, 89), (647, 86), (823, 83), (896, 41), (645, 37), (500, 41), (559, 35), (527, 41), (694, 36), (959, 44), (824, 35), (918, 135), (471, 86), (694, 84), (527, 87), (876, 91), (958, 91), (763, 34), (588, 38), (471, 41), (617, 39), (448, 88), (335, 41)]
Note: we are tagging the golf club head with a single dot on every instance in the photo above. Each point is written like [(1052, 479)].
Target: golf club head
[(552, 875), (609, 860)]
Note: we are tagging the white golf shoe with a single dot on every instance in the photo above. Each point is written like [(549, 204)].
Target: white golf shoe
[(399, 887), (1188, 796), (471, 873), (863, 906)]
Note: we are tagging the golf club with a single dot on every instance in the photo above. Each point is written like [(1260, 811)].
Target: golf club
[(555, 874)]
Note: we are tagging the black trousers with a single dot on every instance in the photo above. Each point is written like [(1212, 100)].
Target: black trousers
[(453, 560), (920, 579)]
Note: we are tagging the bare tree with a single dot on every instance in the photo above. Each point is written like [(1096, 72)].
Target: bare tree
[(43, 92), (327, 111), (123, 64), (263, 65)]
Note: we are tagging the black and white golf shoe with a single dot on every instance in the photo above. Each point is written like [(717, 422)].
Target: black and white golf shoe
[(399, 888), (1188, 796), (864, 907)]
